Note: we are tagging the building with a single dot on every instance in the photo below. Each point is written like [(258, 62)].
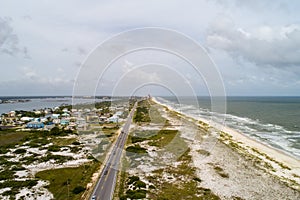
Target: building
[(35, 125), (27, 119), (55, 116), (102, 119), (113, 119), (64, 122)]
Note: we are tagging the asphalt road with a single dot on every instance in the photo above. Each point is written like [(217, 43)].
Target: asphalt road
[(104, 189)]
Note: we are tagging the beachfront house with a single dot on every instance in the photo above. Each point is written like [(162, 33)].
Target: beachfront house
[(64, 122), (49, 125), (27, 119), (65, 115), (113, 119), (55, 116), (102, 119), (56, 121), (119, 113), (35, 125)]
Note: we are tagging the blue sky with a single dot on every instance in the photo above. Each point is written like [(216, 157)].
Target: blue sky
[(255, 44)]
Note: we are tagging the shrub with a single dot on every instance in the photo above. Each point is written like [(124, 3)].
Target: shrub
[(133, 179), (151, 187), (78, 189), (54, 148), (136, 194), (136, 149), (140, 184), (76, 143), (4, 175), (20, 151), (197, 179)]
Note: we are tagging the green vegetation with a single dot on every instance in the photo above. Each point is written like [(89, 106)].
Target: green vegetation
[(20, 151), (203, 152), (54, 148), (16, 186), (155, 115), (163, 138), (136, 149), (137, 191), (63, 142), (147, 111), (221, 172), (73, 180), (122, 177), (60, 132), (57, 158), (23, 113), (78, 189), (159, 138), (5, 175), (142, 112), (185, 186), (8, 137)]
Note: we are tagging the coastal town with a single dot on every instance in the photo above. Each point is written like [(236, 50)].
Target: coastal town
[(34, 144), (64, 117)]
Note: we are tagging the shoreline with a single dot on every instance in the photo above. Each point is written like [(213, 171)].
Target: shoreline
[(284, 166)]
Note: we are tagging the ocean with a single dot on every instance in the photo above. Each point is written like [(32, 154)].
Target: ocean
[(274, 121)]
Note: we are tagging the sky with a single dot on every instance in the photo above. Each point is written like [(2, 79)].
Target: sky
[(255, 45)]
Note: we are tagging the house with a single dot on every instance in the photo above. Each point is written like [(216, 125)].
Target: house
[(27, 119), (56, 121), (43, 119), (55, 116), (65, 110), (65, 114), (119, 113), (102, 119), (38, 112), (80, 121), (12, 114), (64, 122), (50, 125), (35, 125), (113, 119)]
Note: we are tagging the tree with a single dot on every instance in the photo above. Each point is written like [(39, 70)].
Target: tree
[(55, 131)]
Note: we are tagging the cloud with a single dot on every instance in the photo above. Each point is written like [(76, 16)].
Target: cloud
[(9, 41), (258, 5), (81, 51), (263, 45)]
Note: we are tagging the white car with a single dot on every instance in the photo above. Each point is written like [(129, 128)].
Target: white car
[(93, 197)]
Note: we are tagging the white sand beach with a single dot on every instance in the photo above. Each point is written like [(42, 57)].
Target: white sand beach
[(255, 170)]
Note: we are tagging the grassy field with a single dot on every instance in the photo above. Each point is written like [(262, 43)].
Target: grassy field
[(8, 137), (63, 142), (69, 183)]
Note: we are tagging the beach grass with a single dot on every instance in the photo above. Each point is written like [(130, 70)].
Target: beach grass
[(11, 137), (188, 186), (69, 183), (63, 141)]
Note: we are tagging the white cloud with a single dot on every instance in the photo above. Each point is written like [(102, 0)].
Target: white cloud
[(265, 45)]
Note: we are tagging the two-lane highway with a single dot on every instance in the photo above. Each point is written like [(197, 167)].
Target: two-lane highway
[(105, 186)]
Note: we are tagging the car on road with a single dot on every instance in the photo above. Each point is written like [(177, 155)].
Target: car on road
[(105, 172), (93, 197)]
